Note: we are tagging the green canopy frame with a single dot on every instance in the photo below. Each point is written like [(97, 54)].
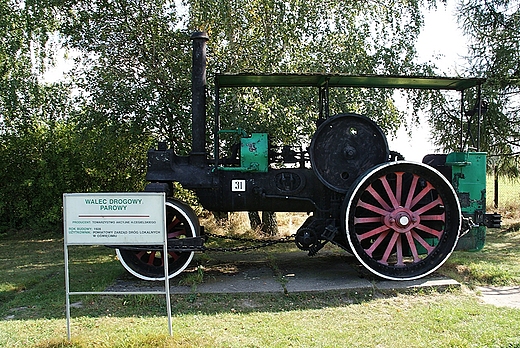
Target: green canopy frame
[(325, 81)]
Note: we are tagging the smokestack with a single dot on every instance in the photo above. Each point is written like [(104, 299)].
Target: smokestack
[(198, 97)]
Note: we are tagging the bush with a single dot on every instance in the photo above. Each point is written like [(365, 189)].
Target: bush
[(45, 161)]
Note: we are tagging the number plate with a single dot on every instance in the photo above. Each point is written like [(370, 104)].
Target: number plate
[(238, 185)]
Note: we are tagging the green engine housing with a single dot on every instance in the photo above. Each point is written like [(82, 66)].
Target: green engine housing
[(254, 152), (468, 177)]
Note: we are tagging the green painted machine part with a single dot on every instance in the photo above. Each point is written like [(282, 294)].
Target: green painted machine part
[(254, 152), (474, 240), (469, 181)]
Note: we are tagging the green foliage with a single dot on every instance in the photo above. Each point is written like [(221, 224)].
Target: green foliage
[(31, 113), (135, 72), (52, 141), (269, 36), (138, 59), (113, 158), (131, 83), (44, 162), (492, 29)]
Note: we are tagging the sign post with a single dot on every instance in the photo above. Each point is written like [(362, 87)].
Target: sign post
[(115, 219)]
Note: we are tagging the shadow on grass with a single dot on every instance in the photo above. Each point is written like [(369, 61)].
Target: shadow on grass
[(496, 264), (32, 286), (214, 304), (32, 275)]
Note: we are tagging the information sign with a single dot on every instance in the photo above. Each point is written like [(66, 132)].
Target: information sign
[(114, 218)]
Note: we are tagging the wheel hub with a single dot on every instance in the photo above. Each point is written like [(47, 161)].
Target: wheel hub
[(401, 220), (306, 238)]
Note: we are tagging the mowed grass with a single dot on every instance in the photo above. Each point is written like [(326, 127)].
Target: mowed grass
[(421, 320), (497, 264), (508, 198), (32, 306)]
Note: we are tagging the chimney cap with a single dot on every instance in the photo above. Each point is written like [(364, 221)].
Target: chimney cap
[(199, 35)]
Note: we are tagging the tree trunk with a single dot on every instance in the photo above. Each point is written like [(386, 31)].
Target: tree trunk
[(221, 216), (269, 223), (254, 220)]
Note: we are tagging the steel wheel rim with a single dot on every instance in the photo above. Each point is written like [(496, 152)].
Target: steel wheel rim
[(181, 222), (402, 220)]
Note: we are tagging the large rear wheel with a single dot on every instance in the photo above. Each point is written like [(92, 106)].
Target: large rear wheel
[(148, 264), (402, 220)]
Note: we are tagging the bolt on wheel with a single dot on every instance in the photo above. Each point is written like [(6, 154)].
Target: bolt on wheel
[(181, 222), (402, 220)]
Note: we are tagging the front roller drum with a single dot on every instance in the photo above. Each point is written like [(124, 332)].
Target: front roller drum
[(181, 222), (402, 220)]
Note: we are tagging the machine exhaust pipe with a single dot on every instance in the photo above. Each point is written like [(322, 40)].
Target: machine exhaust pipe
[(198, 98)]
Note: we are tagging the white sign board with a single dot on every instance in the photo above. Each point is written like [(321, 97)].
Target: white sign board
[(114, 218)]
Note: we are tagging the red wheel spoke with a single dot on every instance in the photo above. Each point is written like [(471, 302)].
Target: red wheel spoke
[(389, 192), (373, 232), (440, 217), (430, 230), (413, 186), (428, 206), (372, 208), (421, 194), (174, 255), (413, 248), (421, 241), (399, 186), (399, 249), (366, 220), (389, 248), (376, 243), (181, 232), (378, 198), (151, 257), (174, 223)]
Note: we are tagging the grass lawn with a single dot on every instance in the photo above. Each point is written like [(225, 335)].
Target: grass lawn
[(32, 307)]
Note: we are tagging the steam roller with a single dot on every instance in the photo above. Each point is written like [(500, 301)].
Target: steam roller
[(400, 219)]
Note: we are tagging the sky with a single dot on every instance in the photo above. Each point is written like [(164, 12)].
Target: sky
[(440, 38)]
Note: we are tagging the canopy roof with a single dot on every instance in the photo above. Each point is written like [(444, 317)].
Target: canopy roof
[(340, 80)]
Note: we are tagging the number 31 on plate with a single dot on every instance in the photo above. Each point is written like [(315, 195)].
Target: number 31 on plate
[(238, 185)]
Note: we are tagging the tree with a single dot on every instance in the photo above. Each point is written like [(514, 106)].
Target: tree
[(267, 224), (493, 30), (33, 133), (47, 145), (138, 66), (268, 36), (136, 71), (24, 34)]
